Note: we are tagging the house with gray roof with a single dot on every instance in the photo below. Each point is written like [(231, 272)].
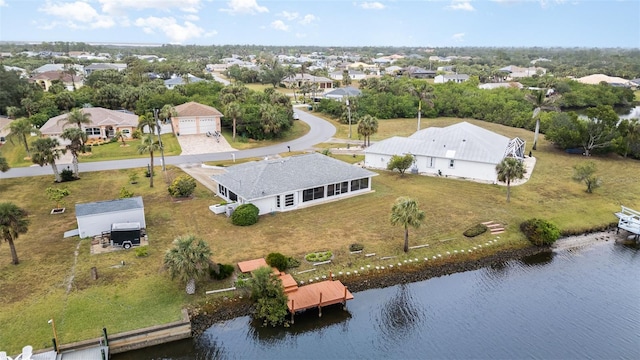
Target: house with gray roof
[(292, 183), (104, 124), (95, 217), (456, 78), (462, 150), (181, 80), (103, 66), (341, 93)]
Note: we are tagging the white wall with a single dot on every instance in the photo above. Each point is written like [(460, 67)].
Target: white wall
[(91, 225)]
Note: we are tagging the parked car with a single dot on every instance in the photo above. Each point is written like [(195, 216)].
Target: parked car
[(296, 116)]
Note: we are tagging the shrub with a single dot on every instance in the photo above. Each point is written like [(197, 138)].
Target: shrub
[(125, 193), (277, 261), (182, 186), (540, 232), (356, 247), (245, 215), (67, 175), (222, 272), (137, 134), (292, 263), (142, 251), (319, 256), (475, 230)]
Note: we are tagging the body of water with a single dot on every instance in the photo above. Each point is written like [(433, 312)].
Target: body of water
[(575, 303)]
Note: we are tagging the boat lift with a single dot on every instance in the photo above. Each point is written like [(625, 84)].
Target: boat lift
[(629, 220)]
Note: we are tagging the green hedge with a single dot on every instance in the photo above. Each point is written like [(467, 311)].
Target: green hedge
[(278, 261), (475, 230), (245, 215), (540, 232)]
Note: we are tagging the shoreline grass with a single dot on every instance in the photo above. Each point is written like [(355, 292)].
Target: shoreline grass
[(141, 293)]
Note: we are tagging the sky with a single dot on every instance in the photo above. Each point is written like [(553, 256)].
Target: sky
[(413, 23)]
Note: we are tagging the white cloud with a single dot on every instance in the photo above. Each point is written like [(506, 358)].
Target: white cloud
[(177, 33), (461, 5), (75, 15), (374, 5), (289, 15), (308, 19), (301, 35), (244, 7), (2, 3), (459, 37), (279, 25), (121, 7), (191, 17)]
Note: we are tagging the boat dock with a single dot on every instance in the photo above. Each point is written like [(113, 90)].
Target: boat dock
[(629, 220)]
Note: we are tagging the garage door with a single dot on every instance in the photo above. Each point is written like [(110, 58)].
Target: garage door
[(207, 125), (187, 127)]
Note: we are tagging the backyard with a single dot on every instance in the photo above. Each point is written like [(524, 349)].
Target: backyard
[(50, 283)]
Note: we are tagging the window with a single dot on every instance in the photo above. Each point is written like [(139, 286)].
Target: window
[(431, 162), (337, 189), (313, 194), (359, 184), (278, 201), (288, 200), (92, 131), (233, 196), (125, 131), (222, 190), (451, 163)]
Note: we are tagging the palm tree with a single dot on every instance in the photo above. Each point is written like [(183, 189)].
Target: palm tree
[(77, 117), (121, 136), (167, 112), (4, 165), (188, 260), (77, 138), (19, 130), (234, 111), (424, 92), (367, 126), (147, 121), (405, 212), (269, 119), (46, 151), (13, 222), (541, 101), (149, 145), (509, 169)]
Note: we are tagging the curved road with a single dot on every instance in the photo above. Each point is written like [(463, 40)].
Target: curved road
[(320, 131)]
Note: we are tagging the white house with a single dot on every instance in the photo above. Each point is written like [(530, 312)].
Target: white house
[(194, 118), (96, 217), (457, 78), (353, 74), (292, 182), (461, 150)]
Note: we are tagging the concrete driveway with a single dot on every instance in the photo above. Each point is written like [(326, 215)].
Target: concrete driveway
[(203, 144)]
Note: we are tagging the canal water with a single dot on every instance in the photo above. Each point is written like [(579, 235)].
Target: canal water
[(574, 303)]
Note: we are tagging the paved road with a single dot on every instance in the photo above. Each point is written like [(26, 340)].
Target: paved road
[(320, 131)]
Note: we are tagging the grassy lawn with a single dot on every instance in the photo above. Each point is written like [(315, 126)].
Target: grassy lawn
[(141, 293), (637, 93), (16, 153), (298, 129)]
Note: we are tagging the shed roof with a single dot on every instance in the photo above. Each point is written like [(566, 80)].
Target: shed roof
[(255, 180), (109, 206), (461, 141)]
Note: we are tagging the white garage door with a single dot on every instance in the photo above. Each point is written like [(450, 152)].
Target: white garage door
[(187, 127), (207, 125)]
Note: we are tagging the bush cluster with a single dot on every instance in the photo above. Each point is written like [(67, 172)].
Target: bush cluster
[(245, 215), (278, 261), (540, 232), (142, 251), (125, 193), (67, 175), (356, 247), (319, 256), (222, 272), (182, 186), (292, 263), (475, 230)]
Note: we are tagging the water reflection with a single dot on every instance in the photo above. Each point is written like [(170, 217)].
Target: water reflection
[(400, 315), (540, 259)]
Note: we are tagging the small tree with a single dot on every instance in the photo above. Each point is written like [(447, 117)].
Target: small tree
[(46, 152), (13, 222), (183, 186), (540, 232), (278, 261), (57, 195), (406, 212), (245, 215), (585, 172), (4, 165), (268, 292), (509, 169), (188, 260), (400, 163)]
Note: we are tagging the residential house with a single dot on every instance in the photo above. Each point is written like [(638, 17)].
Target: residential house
[(341, 93), (361, 66), (418, 72), (69, 81), (300, 79), (22, 72), (181, 80), (292, 183), (461, 150), (490, 86), (517, 72), (353, 74), (103, 66), (595, 79), (456, 78), (194, 118), (59, 67), (104, 124)]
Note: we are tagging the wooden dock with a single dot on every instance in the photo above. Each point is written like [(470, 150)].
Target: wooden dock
[(629, 220)]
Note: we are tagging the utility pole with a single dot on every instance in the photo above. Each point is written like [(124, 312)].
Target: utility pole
[(155, 115), (349, 115), (55, 335), (419, 112)]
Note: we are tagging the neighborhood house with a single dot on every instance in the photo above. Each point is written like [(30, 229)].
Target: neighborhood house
[(104, 124), (194, 118), (461, 150), (292, 182)]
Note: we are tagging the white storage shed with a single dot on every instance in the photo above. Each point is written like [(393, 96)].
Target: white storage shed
[(96, 217)]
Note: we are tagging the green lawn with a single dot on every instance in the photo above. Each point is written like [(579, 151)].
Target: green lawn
[(298, 129), (142, 294)]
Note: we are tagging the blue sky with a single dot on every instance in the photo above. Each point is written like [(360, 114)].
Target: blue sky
[(438, 23)]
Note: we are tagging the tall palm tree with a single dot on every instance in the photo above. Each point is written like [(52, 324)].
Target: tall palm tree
[(510, 169), (19, 130), (188, 260), (147, 121), (269, 119), (234, 111), (77, 138), (167, 112), (424, 92), (149, 145), (367, 126), (541, 102), (77, 117), (13, 222), (405, 212), (46, 151)]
